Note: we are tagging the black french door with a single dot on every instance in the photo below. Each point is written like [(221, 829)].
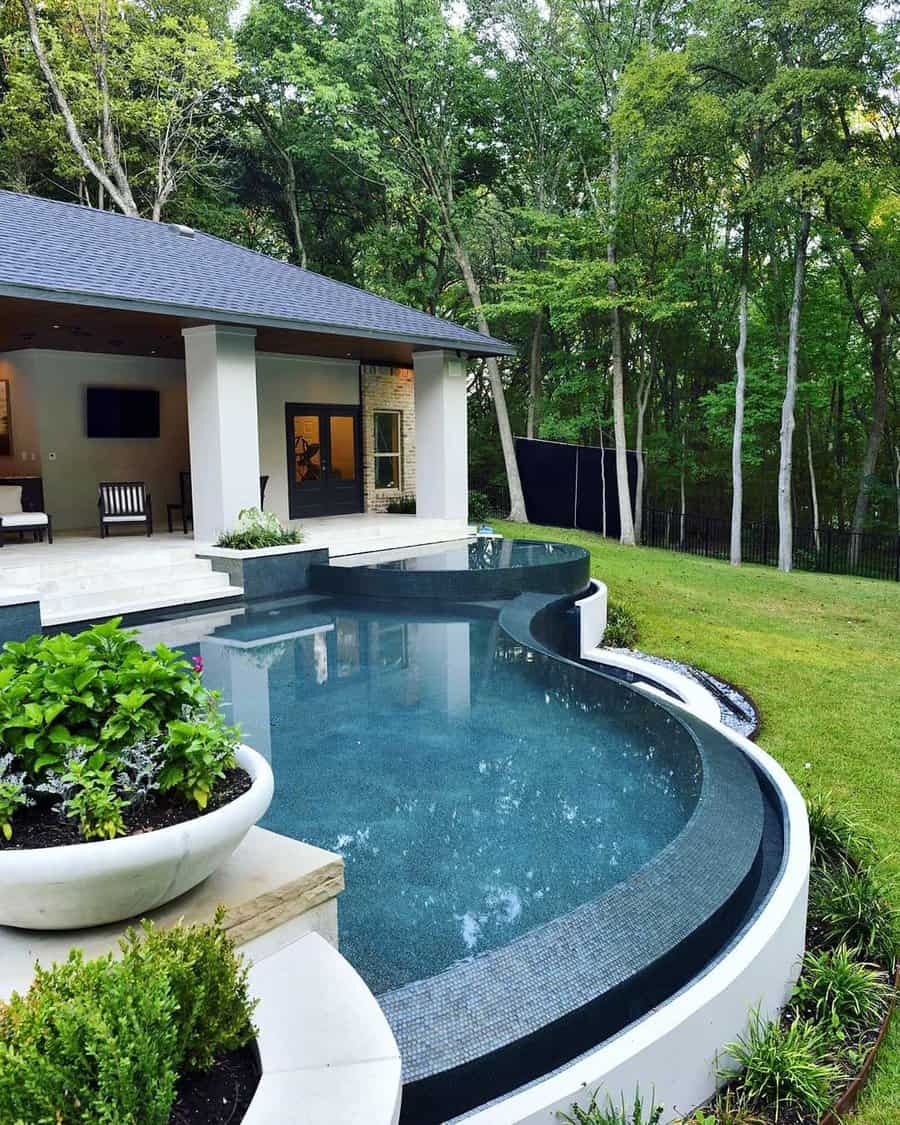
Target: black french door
[(324, 458)]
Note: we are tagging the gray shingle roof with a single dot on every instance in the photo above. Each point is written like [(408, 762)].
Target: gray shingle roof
[(64, 251)]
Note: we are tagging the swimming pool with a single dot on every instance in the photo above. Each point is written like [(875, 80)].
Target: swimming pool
[(536, 853), (472, 796)]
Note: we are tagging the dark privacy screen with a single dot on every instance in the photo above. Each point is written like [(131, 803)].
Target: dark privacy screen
[(569, 485)]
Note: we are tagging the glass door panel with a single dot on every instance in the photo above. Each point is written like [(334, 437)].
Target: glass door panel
[(324, 472), (307, 448), (343, 447)]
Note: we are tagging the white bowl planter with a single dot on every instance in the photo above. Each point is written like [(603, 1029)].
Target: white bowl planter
[(81, 885)]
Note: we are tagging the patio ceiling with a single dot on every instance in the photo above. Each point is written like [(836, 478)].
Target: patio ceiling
[(85, 328)]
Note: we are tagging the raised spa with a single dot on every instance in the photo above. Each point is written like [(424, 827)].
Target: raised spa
[(475, 570)]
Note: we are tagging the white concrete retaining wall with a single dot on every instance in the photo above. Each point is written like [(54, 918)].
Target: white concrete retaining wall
[(675, 1051)]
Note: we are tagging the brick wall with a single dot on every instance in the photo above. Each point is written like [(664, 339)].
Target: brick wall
[(388, 388)]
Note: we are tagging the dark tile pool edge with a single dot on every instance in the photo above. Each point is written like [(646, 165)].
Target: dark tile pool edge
[(569, 575), (575, 971), (774, 856), (151, 616)]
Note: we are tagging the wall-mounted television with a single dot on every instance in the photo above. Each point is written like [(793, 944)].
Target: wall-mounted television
[(122, 412)]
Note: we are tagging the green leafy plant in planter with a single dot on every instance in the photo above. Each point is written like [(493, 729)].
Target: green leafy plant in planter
[(94, 724), (256, 530), (103, 1042), (13, 795)]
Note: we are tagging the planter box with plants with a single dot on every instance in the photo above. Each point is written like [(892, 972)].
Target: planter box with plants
[(161, 1035), (172, 1027), (264, 558), (120, 785)]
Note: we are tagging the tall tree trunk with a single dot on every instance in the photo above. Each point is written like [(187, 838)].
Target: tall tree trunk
[(120, 190), (626, 520), (813, 491), (878, 338), (785, 516), (740, 386), (534, 375), (603, 480), (290, 196), (516, 497), (897, 482), (643, 397), (682, 519)]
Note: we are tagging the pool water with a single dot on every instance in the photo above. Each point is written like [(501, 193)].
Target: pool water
[(486, 553), (475, 789)]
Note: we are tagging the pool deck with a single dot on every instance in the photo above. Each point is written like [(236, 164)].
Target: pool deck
[(81, 577)]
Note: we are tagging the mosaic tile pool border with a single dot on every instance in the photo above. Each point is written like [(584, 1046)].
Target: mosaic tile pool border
[(568, 575), (486, 1026)]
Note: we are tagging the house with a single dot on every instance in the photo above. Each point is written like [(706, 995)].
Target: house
[(247, 367)]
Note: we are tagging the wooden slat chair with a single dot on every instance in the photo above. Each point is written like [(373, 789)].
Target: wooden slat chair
[(186, 507), (123, 502)]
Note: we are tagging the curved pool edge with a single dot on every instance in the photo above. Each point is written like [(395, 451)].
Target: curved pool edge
[(569, 573), (697, 891), (676, 1050)]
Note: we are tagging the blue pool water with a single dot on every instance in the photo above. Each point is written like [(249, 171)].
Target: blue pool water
[(475, 789), (486, 554)]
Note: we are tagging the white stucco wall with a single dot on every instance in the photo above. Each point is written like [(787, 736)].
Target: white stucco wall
[(281, 379), (55, 423), (442, 473), (47, 391)]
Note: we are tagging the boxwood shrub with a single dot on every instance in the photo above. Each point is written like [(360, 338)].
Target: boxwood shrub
[(103, 1042)]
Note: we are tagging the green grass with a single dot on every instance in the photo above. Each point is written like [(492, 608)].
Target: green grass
[(819, 653)]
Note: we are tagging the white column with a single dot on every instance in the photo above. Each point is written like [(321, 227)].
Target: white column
[(222, 426), (442, 449)]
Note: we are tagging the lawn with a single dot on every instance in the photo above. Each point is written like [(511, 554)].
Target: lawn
[(820, 655)]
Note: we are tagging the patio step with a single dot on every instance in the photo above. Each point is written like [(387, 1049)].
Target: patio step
[(85, 581), (61, 564), (162, 591)]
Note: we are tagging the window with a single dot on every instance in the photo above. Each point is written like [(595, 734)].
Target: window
[(387, 449)]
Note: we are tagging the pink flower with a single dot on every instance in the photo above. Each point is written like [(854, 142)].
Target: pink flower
[(197, 664)]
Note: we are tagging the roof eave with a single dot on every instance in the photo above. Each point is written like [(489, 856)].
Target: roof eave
[(480, 346)]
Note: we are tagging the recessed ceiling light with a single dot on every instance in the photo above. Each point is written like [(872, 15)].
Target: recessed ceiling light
[(57, 326)]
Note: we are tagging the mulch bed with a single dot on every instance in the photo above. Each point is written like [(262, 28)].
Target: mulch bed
[(220, 1096), (42, 825)]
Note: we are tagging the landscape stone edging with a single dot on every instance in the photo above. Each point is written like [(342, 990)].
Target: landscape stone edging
[(323, 1041)]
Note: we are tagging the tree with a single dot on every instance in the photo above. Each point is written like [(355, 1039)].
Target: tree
[(136, 88), (420, 109)]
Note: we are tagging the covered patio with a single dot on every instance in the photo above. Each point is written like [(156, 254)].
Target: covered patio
[(247, 368)]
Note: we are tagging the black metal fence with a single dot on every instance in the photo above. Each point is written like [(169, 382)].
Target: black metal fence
[(867, 554)]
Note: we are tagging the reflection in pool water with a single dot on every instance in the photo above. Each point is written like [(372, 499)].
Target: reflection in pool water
[(475, 789), (487, 553)]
